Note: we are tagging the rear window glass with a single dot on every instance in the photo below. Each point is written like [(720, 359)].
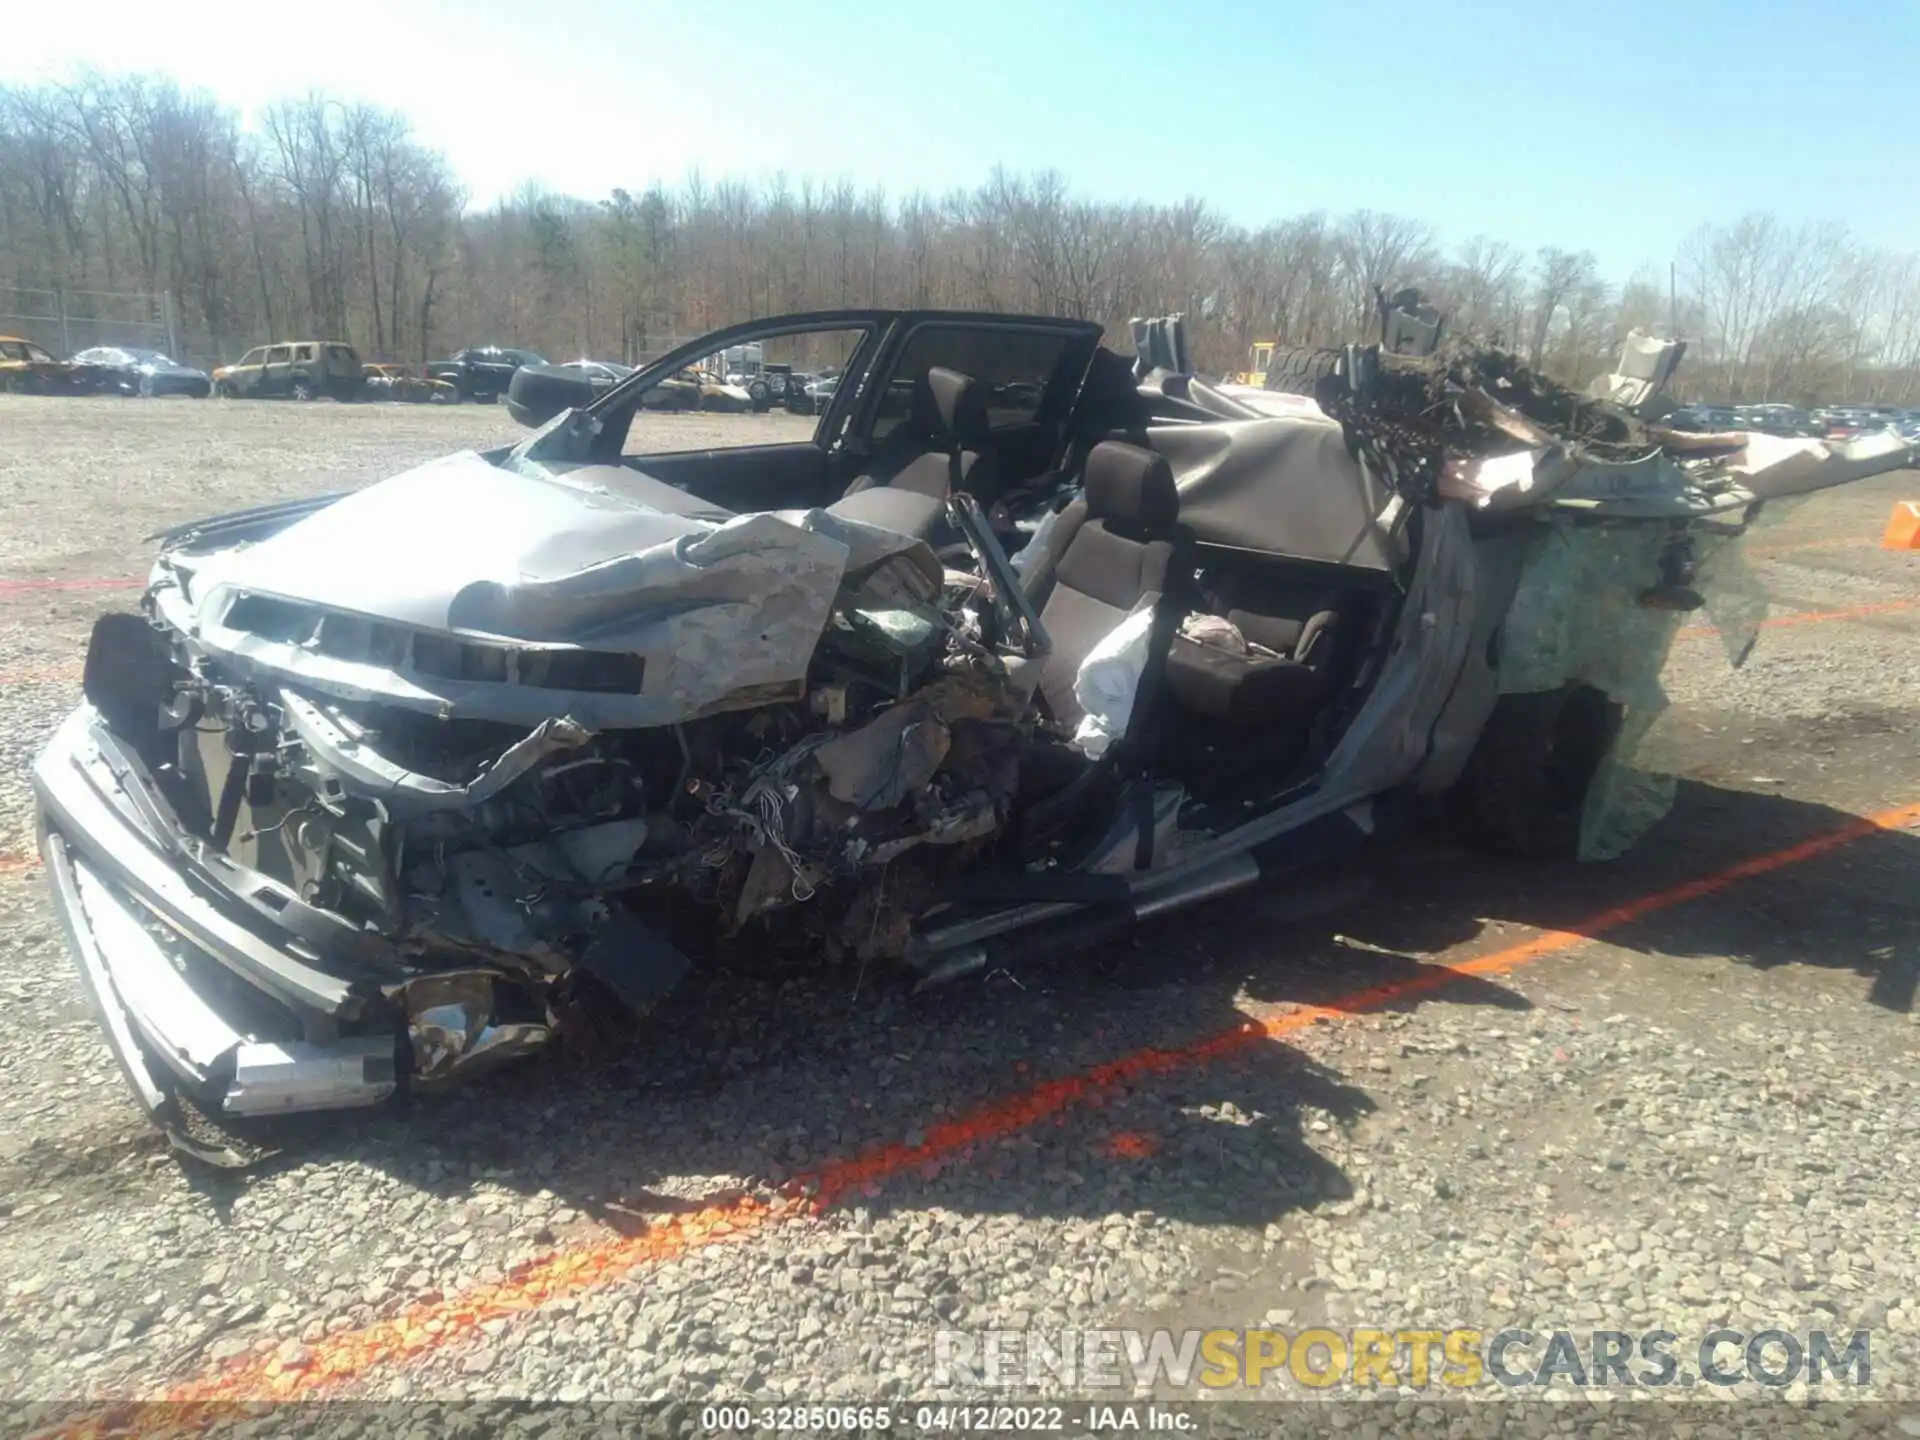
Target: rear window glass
[(1015, 366), (342, 354)]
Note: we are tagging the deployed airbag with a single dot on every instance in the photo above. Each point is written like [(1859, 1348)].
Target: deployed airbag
[(1108, 681)]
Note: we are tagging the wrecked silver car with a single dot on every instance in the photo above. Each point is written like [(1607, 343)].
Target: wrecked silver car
[(1031, 640)]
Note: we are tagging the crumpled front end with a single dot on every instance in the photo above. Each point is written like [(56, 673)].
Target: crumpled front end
[(308, 855), (194, 994), (258, 944)]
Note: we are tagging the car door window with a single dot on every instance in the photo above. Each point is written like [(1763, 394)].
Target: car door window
[(303, 352), (1016, 365), (697, 408), (730, 445), (279, 355)]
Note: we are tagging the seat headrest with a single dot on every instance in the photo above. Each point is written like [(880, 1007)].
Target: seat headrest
[(951, 408), (1131, 485)]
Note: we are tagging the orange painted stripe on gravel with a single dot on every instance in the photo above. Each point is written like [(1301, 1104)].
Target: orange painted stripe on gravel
[(1810, 617), (430, 1325), (1829, 543)]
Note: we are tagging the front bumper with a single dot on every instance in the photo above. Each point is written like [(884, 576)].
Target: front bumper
[(194, 994)]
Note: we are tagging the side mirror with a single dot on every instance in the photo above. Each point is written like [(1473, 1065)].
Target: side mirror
[(537, 393)]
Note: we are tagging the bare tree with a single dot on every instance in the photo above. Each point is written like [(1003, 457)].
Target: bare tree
[(1559, 277), (334, 217), (1485, 286), (1376, 251)]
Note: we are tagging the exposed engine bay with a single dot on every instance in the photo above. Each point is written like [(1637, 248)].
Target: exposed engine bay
[(484, 876)]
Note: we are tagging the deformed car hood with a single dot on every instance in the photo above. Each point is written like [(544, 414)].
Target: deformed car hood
[(410, 548), (720, 608)]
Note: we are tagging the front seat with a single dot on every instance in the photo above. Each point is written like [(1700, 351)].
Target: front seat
[(941, 445), (939, 448), (1112, 550)]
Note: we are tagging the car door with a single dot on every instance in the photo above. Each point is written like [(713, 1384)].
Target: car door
[(346, 377), (309, 369), (744, 461), (234, 378), (1032, 368), (252, 372), (498, 368), (275, 374)]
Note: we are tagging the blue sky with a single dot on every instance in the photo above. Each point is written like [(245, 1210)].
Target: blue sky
[(1613, 127)]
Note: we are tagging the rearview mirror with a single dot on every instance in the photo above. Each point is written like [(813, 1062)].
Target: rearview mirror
[(537, 393)]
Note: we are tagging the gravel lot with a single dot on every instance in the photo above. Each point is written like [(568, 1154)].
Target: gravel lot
[(1701, 1112)]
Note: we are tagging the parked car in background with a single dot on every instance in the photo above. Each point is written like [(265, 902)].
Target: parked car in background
[(541, 391), (409, 383), (678, 391), (779, 385), (27, 368), (297, 370), (127, 371), (722, 395), (483, 372), (1908, 426), (604, 374), (1703, 419), (1776, 419), (1843, 422), (819, 392)]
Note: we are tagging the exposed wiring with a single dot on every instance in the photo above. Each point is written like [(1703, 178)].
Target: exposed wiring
[(279, 824)]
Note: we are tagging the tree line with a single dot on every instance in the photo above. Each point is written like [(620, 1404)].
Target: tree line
[(331, 219)]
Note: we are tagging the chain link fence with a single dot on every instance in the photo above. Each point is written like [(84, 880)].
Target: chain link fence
[(64, 321)]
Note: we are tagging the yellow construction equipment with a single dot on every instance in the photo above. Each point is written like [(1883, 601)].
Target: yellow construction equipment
[(1259, 361)]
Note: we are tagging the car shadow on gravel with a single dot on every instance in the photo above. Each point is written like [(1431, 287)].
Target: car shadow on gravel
[(758, 1083), (752, 1076), (1850, 907), (755, 1075)]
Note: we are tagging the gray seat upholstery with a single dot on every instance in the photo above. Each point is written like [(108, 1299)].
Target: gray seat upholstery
[(906, 512), (1303, 627), (1109, 552), (941, 442), (905, 484)]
